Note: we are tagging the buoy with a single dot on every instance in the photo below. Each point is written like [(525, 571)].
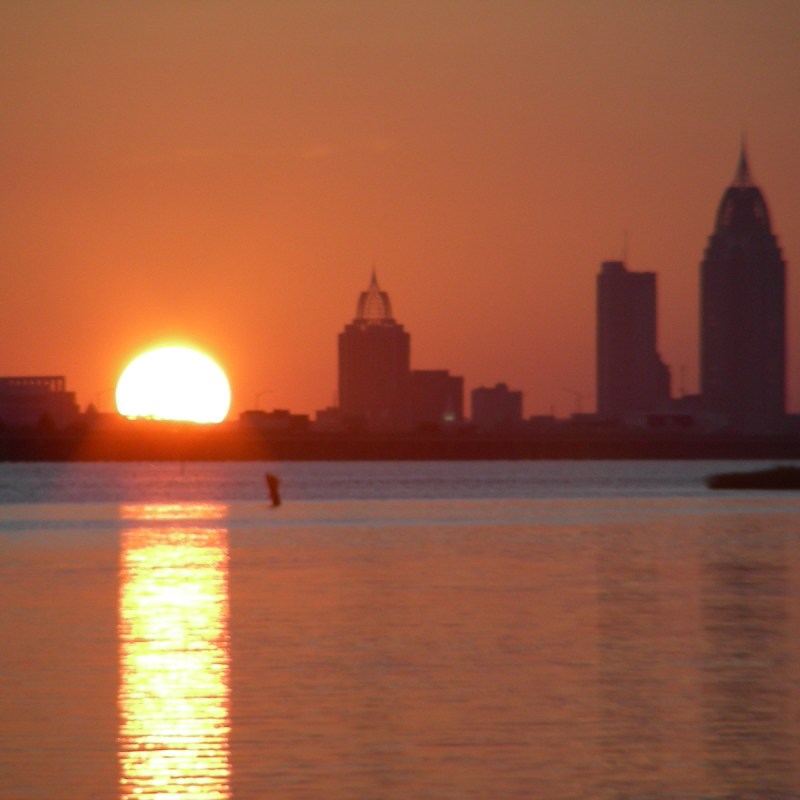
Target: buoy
[(274, 487)]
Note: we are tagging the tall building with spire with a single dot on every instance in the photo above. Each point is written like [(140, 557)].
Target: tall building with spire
[(742, 313), (374, 365)]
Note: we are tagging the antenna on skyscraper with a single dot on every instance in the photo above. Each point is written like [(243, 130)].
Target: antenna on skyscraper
[(742, 177)]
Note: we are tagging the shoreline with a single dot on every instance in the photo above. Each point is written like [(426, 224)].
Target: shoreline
[(185, 442)]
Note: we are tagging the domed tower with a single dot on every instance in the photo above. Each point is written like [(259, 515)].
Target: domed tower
[(374, 305), (374, 365), (742, 313)]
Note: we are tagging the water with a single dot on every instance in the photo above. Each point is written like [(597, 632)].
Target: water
[(468, 630)]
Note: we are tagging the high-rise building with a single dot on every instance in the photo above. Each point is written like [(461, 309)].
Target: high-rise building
[(631, 377), (742, 312), (374, 365)]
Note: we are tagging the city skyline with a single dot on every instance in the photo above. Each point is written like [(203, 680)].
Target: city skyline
[(227, 176)]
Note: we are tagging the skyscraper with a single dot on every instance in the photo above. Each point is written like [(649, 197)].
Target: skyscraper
[(631, 377), (374, 364), (742, 312)]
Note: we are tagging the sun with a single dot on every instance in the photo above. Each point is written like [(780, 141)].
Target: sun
[(174, 383)]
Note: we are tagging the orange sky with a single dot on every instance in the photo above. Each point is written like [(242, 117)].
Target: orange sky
[(227, 174)]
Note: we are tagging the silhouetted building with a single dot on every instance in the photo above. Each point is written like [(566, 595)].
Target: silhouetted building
[(631, 377), (40, 400), (328, 419), (437, 397), (278, 420), (497, 408), (742, 312), (374, 365)]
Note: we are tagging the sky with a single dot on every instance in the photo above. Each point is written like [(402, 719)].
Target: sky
[(227, 175)]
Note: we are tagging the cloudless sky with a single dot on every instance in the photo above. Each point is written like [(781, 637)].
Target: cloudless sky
[(227, 174)]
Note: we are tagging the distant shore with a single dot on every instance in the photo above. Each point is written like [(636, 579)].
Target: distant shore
[(185, 442)]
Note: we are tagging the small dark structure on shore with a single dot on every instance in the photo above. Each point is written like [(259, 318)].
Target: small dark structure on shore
[(779, 477)]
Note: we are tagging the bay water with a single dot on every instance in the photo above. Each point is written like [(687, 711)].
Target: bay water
[(554, 630)]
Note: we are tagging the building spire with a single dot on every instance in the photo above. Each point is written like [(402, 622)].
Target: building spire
[(373, 305), (742, 177)]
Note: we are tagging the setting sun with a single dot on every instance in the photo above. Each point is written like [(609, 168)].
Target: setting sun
[(174, 383)]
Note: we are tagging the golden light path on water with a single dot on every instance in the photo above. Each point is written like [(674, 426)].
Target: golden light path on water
[(174, 695)]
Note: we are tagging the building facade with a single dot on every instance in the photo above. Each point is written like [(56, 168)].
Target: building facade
[(497, 408), (631, 377), (436, 397), (742, 313), (374, 365), (36, 400)]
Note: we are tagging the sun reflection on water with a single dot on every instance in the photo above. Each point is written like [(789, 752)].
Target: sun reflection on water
[(174, 692)]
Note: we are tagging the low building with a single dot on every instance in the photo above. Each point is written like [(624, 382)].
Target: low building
[(437, 397), (328, 419), (278, 420), (38, 400), (497, 408)]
